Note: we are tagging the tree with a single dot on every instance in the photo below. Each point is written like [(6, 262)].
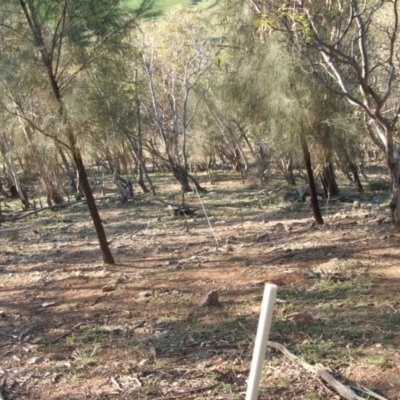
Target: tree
[(61, 40), (351, 49), (177, 54)]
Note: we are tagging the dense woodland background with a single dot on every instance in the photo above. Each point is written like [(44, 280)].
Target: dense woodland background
[(269, 129), (135, 88)]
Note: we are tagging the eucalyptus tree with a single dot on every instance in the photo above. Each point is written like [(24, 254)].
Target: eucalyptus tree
[(47, 48), (351, 47), (177, 56)]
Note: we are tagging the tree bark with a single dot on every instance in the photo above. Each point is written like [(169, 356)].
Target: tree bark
[(385, 133), (87, 190), (287, 169), (356, 178), (182, 176), (311, 184), (67, 167), (328, 180)]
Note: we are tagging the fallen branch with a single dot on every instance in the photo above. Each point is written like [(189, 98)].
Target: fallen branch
[(369, 392), (320, 372), (138, 325), (186, 392), (62, 336)]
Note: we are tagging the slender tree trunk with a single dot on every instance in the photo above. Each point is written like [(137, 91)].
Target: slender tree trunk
[(87, 190), (68, 169), (385, 133), (195, 183), (356, 178), (328, 180), (311, 184), (8, 158), (393, 160), (182, 176), (287, 169), (140, 166)]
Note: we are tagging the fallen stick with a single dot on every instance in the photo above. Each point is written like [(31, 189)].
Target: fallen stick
[(320, 372), (186, 392), (67, 333), (369, 392), (344, 391)]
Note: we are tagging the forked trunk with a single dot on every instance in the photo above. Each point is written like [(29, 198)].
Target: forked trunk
[(83, 179), (182, 176)]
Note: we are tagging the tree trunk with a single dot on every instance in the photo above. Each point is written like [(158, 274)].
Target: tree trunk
[(105, 250), (182, 176), (394, 168), (287, 169), (68, 169), (8, 158), (328, 180), (355, 178), (195, 183), (385, 133), (311, 185)]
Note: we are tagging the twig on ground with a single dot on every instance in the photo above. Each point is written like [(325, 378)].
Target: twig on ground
[(8, 335), (344, 391), (320, 372), (26, 331), (67, 333), (369, 392), (393, 308), (186, 392), (96, 300), (115, 383), (138, 325)]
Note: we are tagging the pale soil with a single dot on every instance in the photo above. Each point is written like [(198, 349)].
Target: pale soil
[(148, 338)]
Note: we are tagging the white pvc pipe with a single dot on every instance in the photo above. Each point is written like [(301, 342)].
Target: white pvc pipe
[(260, 346)]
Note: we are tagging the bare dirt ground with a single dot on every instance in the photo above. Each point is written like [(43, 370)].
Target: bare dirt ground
[(72, 328)]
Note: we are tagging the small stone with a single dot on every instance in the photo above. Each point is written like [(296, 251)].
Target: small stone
[(210, 299), (383, 237), (231, 240), (145, 293), (356, 204), (122, 279), (48, 304), (161, 335), (108, 288), (35, 360)]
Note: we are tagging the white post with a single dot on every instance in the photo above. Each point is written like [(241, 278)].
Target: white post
[(260, 346)]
